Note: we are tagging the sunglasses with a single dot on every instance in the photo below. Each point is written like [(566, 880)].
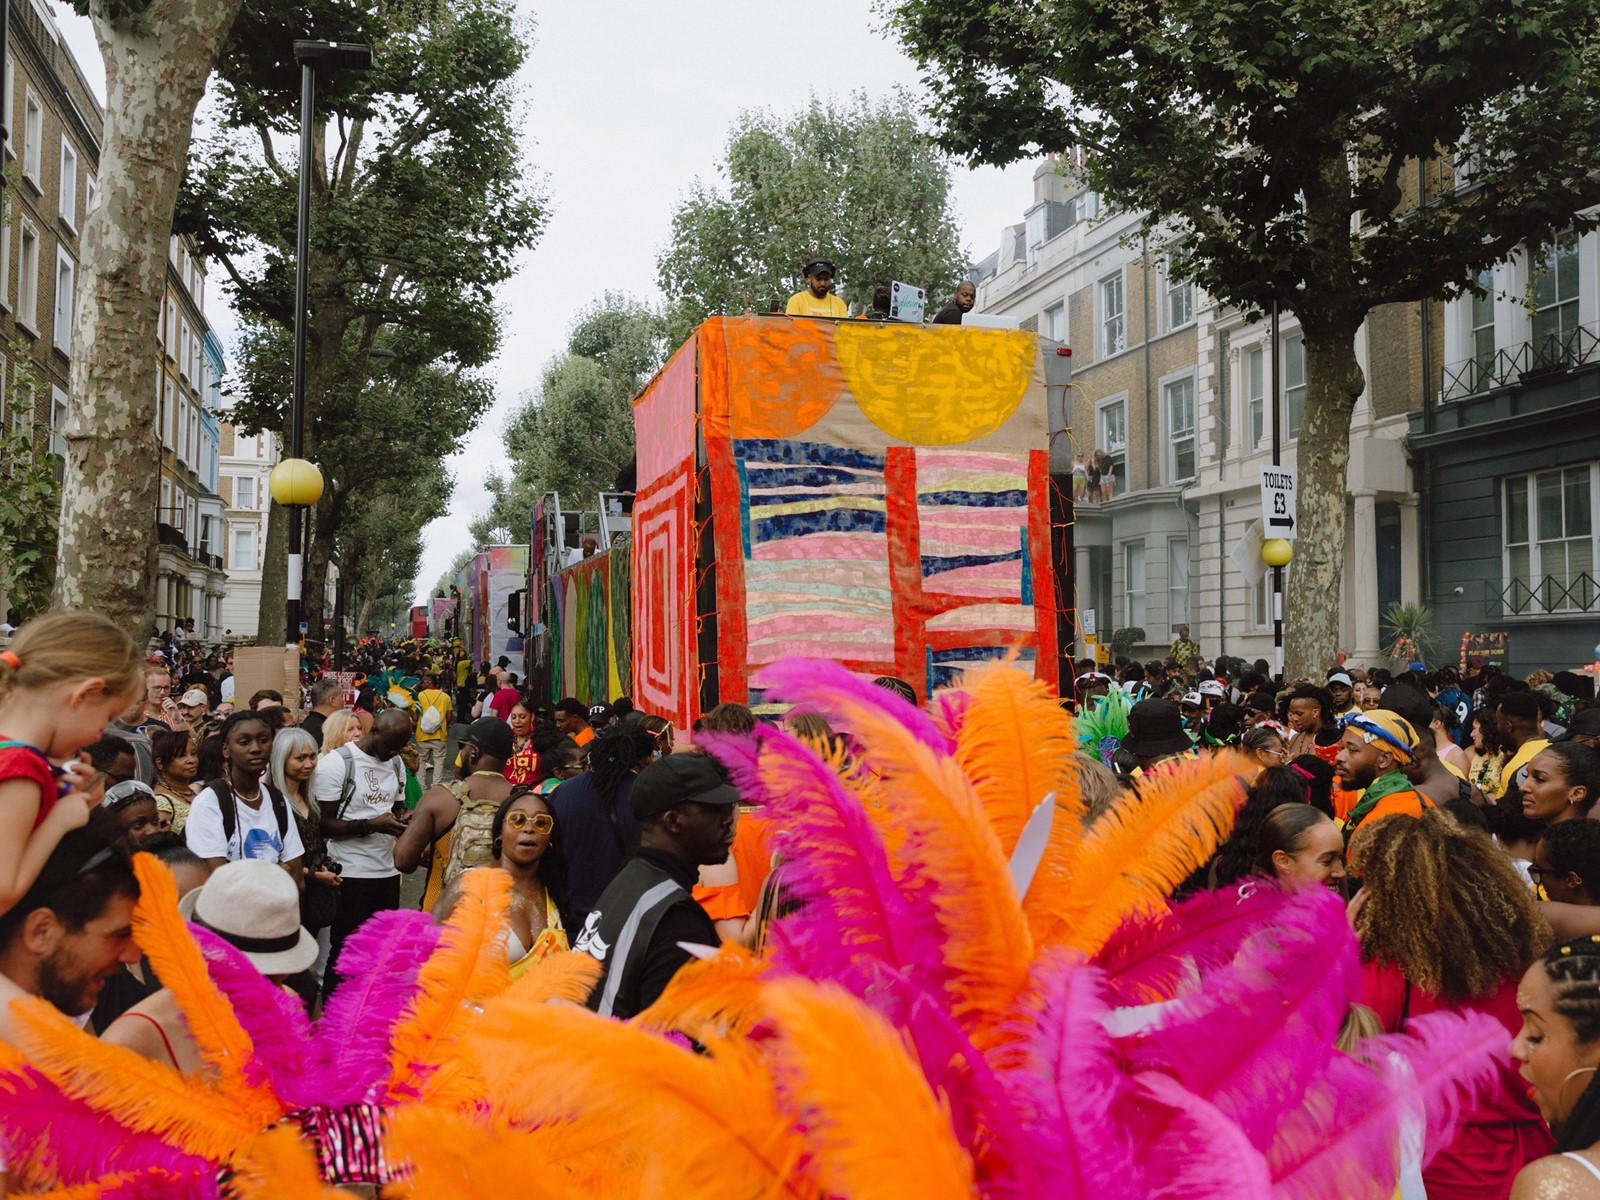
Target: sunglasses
[(540, 822)]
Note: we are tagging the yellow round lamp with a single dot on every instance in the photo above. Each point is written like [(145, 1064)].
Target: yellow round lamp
[(1276, 552), (295, 483)]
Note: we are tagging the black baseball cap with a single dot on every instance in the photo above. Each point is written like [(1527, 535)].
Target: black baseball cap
[(1585, 722), (599, 714), (818, 265), (492, 736), (679, 779)]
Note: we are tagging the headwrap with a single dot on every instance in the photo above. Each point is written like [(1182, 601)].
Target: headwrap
[(1393, 730)]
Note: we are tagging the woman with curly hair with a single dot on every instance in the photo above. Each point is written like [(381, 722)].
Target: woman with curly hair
[(1447, 924), (1558, 1049)]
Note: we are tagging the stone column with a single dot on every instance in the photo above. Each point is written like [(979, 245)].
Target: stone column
[(1411, 551), (1083, 585), (1363, 578)]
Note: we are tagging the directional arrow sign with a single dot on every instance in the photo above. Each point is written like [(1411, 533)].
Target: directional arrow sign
[(1277, 501)]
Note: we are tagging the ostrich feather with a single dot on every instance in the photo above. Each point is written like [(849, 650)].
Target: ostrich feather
[(452, 1156), (850, 905), (738, 754), (1342, 1142), (383, 959), (145, 1096), (52, 1138), (1070, 1086), (274, 1020), (948, 711), (1259, 1031), (716, 996), (1102, 725), (1015, 746), (1189, 1150), (279, 1165), (872, 1126), (164, 937), (468, 968), (150, 1184), (816, 685), (947, 837), (1149, 954), (710, 1123), (1141, 849)]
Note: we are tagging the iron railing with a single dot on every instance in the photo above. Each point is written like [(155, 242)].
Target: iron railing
[(1580, 594), (1553, 352)]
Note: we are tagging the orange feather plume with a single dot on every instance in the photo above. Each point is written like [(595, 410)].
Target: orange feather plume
[(85, 1191), (451, 1156), (1144, 846), (719, 996), (145, 1096), (280, 1165), (987, 941), (161, 933), (468, 968), (708, 1122), (871, 1124)]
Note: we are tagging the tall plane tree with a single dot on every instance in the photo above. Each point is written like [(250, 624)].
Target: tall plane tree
[(1285, 143), (858, 183), (158, 55), (419, 208)]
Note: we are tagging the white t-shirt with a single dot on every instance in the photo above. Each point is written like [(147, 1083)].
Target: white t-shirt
[(377, 791), (255, 835), (227, 690)]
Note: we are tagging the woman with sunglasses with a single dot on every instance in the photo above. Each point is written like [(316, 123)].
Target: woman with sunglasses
[(525, 847)]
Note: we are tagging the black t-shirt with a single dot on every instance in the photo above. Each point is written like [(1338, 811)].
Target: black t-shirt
[(590, 841), (950, 314), (313, 725)]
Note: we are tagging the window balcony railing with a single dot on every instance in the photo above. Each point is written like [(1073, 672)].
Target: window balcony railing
[(1551, 595), (1553, 352)]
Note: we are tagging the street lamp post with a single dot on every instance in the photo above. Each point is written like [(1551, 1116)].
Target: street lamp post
[(310, 55)]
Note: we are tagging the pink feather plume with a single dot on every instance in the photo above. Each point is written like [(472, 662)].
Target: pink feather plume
[(739, 755), (1070, 1088), (851, 908), (816, 685), (948, 711), (1189, 1150), (379, 963), (82, 1145), (1343, 1141), (286, 1057), (1259, 1031), (1148, 955)]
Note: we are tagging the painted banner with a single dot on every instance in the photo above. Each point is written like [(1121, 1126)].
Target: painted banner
[(876, 494), (587, 605)]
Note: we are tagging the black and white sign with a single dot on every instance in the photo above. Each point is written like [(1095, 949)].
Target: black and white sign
[(1277, 502), (907, 303)]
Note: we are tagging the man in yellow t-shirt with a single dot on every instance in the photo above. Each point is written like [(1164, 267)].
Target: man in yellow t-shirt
[(817, 300), (430, 742)]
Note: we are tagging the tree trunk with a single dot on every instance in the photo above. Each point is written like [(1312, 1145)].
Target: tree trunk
[(1311, 606), (365, 617), (319, 553), (157, 59), (273, 612)]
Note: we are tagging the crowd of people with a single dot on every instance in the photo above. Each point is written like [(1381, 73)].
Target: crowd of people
[(1453, 811)]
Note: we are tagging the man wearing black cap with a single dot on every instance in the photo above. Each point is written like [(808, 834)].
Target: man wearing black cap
[(817, 299), (461, 809), (687, 812)]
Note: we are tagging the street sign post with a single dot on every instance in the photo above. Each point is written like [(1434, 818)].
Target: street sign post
[(1278, 494)]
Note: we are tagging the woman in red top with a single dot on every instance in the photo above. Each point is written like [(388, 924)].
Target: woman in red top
[(1447, 923), (522, 768), (62, 679)]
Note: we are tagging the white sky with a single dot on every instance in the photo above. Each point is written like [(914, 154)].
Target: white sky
[(625, 102)]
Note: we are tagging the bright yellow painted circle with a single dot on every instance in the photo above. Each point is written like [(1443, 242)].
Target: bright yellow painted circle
[(936, 386)]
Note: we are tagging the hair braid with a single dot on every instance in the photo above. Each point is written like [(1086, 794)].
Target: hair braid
[(1574, 971)]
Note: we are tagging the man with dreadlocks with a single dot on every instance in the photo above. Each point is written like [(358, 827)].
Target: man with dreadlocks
[(598, 829), (1447, 924), (1559, 1049)]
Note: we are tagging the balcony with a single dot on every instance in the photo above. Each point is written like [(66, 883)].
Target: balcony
[(1547, 355), (167, 535), (1551, 596)]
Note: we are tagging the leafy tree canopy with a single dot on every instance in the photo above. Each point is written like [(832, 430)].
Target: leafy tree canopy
[(859, 183), (575, 434)]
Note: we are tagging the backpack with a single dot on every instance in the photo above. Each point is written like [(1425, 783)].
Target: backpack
[(472, 837), (228, 803), (347, 788), (431, 720)]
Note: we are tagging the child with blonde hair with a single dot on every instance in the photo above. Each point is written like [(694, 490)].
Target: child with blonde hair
[(64, 676)]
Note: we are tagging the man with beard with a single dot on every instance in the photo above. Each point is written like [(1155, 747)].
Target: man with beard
[(1376, 748), (71, 932)]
